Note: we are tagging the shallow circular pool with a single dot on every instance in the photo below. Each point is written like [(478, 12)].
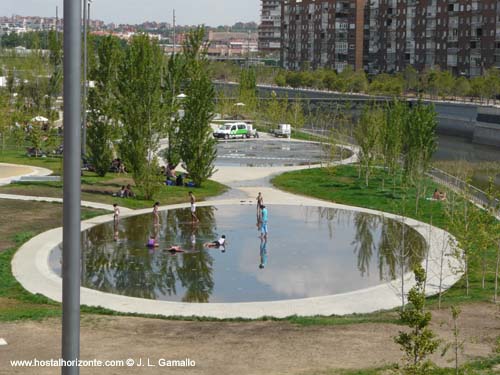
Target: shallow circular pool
[(309, 252)]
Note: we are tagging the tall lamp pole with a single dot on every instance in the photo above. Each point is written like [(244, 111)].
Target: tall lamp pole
[(86, 20), (71, 202)]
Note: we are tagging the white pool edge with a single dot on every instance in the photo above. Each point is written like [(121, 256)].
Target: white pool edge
[(31, 268)]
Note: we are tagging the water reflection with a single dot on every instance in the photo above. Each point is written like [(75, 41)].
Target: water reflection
[(315, 251)]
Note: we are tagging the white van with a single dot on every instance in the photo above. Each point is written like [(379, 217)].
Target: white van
[(232, 130)]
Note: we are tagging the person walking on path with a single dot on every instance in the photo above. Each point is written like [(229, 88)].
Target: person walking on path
[(263, 227), (260, 203), (156, 215), (192, 199)]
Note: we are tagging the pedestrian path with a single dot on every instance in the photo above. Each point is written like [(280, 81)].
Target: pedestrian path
[(14, 172)]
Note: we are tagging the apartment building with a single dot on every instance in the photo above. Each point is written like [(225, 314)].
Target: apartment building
[(460, 35), (270, 26), (327, 33)]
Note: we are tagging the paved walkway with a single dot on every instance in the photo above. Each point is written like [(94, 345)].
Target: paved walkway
[(13, 172)]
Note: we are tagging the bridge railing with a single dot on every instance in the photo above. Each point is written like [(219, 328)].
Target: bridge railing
[(474, 194)]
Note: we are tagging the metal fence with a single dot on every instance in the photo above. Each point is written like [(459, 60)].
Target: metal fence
[(474, 194)]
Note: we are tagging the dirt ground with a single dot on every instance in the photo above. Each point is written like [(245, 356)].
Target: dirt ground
[(235, 348)]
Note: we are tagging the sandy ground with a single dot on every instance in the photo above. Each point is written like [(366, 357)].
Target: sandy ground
[(13, 171), (235, 348)]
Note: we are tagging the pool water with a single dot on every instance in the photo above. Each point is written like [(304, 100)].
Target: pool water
[(309, 252)]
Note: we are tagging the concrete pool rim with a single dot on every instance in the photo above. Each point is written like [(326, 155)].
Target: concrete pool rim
[(31, 268)]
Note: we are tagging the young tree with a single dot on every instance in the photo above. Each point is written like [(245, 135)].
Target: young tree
[(410, 76), (174, 80), (102, 104), (456, 345), (198, 147), (367, 135), (461, 87), (391, 137), (420, 341), (141, 111), (419, 144)]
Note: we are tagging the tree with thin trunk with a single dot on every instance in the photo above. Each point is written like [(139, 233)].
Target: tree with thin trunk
[(419, 144), (102, 103), (420, 341), (367, 135), (198, 147), (141, 111)]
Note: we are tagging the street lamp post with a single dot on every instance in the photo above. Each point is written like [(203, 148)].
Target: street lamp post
[(71, 187), (86, 20)]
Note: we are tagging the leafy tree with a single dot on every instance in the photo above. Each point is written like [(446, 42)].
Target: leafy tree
[(198, 147), (296, 115), (102, 103), (247, 93), (391, 138), (35, 138), (367, 135), (141, 111), (461, 87), (420, 341), (420, 143), (5, 117), (445, 83), (174, 80), (410, 76), (276, 110)]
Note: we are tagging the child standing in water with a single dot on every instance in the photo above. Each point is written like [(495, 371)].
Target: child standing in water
[(192, 199), (260, 203), (116, 216), (263, 227), (156, 215)]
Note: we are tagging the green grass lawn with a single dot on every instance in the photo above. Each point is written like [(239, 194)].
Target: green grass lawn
[(100, 189), (342, 185), (18, 156), (15, 302)]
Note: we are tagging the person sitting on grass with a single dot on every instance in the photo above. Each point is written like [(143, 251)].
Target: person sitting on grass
[(436, 196), (128, 192)]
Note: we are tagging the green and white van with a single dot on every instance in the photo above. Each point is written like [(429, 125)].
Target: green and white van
[(232, 130)]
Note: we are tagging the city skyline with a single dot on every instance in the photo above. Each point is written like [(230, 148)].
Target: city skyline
[(208, 12)]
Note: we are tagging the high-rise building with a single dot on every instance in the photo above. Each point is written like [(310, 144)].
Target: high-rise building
[(459, 35), (388, 35), (270, 26), (328, 33)]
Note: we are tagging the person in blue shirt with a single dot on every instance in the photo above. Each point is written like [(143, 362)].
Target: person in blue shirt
[(264, 217)]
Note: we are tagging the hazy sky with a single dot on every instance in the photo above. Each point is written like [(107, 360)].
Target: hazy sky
[(188, 12)]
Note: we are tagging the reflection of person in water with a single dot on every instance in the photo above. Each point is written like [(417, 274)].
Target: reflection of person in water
[(116, 220), (263, 253)]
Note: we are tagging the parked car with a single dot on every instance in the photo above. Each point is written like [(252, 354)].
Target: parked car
[(232, 130), (252, 132), (283, 130)]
